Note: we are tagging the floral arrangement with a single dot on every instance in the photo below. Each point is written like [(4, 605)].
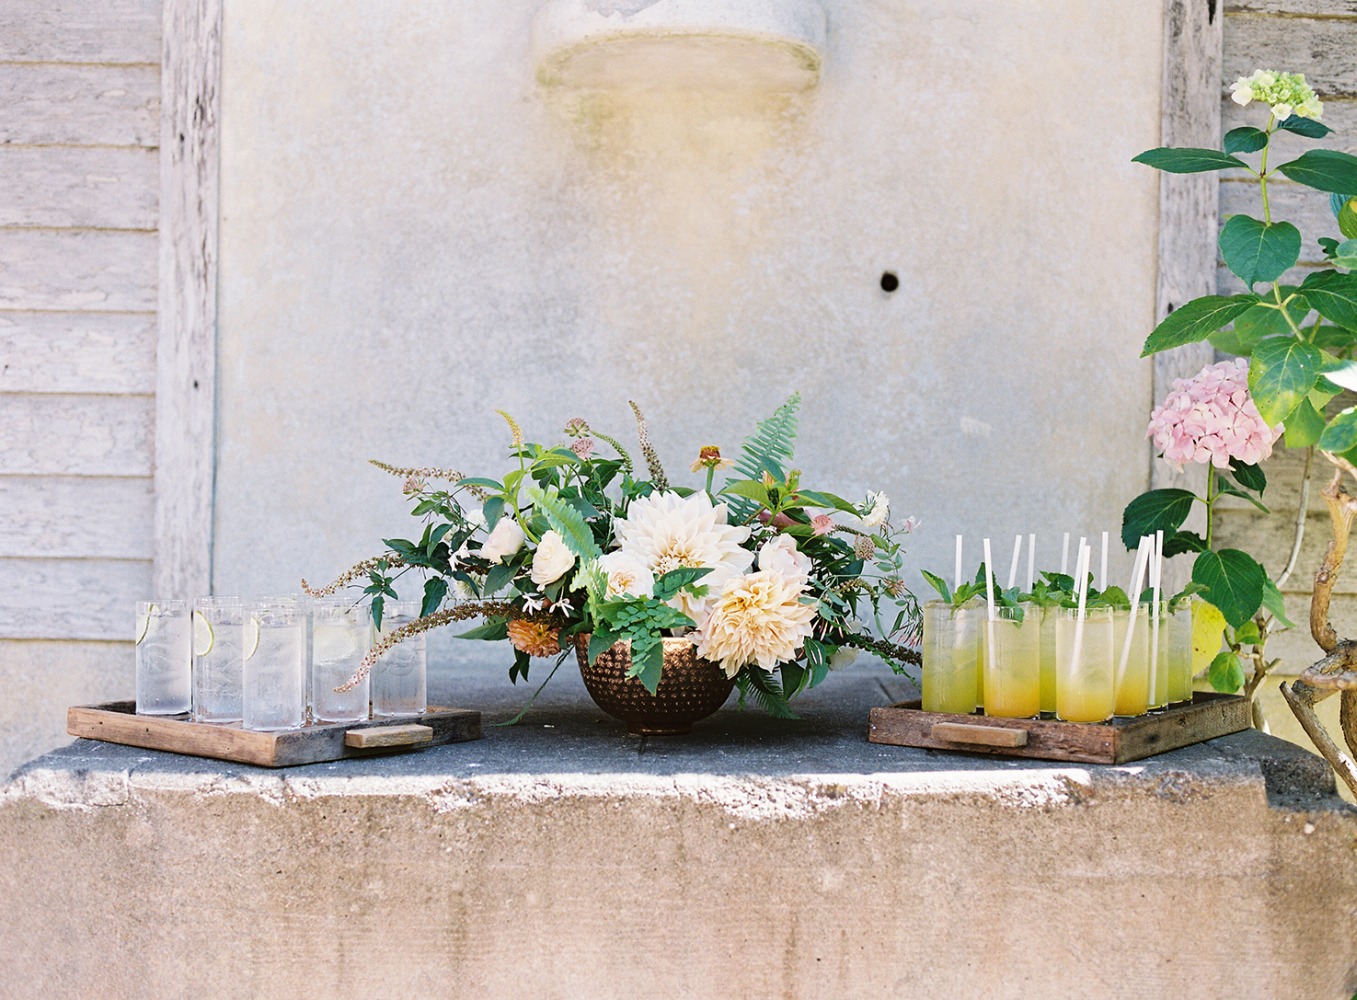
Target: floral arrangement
[(1294, 340), (774, 582)]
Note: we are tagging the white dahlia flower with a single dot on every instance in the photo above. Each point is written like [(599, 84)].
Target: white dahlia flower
[(667, 532), (627, 574), (758, 620), (552, 560)]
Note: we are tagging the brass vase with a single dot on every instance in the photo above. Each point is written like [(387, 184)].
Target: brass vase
[(690, 688)]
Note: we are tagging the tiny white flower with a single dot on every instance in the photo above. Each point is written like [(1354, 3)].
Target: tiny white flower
[(1281, 112), (534, 603), (552, 560), (911, 524), (561, 606), (1242, 95), (504, 541)]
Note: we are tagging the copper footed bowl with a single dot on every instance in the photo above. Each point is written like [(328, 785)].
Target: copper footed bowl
[(690, 688)]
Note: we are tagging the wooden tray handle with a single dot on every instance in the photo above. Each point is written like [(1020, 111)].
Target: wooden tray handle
[(388, 736), (990, 736)]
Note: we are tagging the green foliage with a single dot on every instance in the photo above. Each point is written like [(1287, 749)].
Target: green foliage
[(494, 630), (1324, 170), (1281, 375), (1275, 604), (668, 585), (1262, 320), (772, 443), (764, 689), (1194, 321), (1245, 139), (1231, 580), (643, 622), (1257, 251), (566, 521), (1158, 510), (1345, 211), (1341, 434), (1304, 426), (1187, 160), (1307, 127), (1334, 296), (1226, 673)]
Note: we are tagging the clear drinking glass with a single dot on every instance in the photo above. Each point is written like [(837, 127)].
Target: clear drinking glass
[(1179, 655), (218, 629), (950, 658), (1159, 655), (1013, 673), (274, 682), (341, 633), (1048, 617), (400, 675), (164, 658), (1084, 683), (1133, 662)]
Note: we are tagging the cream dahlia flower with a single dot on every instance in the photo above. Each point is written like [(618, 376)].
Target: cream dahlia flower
[(552, 560), (627, 574), (667, 532), (758, 620)]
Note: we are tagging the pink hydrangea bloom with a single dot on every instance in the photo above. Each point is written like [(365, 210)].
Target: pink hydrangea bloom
[(1211, 418)]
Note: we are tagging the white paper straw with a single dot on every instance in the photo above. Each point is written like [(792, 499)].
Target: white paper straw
[(1031, 562), (1156, 583), (957, 585), (1065, 554), (1137, 582), (1102, 570), (989, 597), (1082, 582), (1077, 646), (1013, 566)]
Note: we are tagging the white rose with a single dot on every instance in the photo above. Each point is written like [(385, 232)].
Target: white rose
[(552, 559), (627, 574), (780, 554), (878, 506), (504, 541)]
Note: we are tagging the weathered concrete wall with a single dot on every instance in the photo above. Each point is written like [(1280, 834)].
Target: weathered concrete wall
[(414, 232), (806, 866)]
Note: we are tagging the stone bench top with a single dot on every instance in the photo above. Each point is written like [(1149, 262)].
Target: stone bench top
[(566, 744)]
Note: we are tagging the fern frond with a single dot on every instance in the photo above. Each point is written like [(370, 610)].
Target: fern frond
[(765, 690), (772, 443), (567, 522)]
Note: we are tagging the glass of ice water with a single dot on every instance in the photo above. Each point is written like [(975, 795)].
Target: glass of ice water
[(341, 632), (164, 662), (400, 676), (273, 693), (218, 631)]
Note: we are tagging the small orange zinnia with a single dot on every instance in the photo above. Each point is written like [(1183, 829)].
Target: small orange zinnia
[(535, 638)]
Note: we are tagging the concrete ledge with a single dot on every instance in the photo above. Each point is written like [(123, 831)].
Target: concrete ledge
[(752, 859)]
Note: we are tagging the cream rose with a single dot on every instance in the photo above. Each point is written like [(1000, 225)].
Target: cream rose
[(552, 560), (627, 574), (780, 553), (504, 541)]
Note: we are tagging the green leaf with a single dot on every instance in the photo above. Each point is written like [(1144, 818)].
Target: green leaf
[(567, 522), (493, 630), (601, 642), (938, 584), (1228, 490), (1256, 251), (435, 588), (1187, 160), (1272, 600), (1183, 541), (648, 664), (772, 442), (489, 484), (1196, 320), (1157, 510), (493, 510), (1334, 295), (1345, 210), (1341, 372), (794, 678), (1231, 580), (1307, 127), (750, 489), (1246, 139), (1281, 374), (1341, 433), (1226, 673), (498, 577), (676, 579), (1324, 170), (1251, 477), (764, 687), (1304, 426), (1256, 323), (378, 606), (814, 498), (1345, 255), (1248, 634)]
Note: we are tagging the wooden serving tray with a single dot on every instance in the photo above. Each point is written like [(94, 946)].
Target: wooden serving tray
[(1204, 718), (117, 722)]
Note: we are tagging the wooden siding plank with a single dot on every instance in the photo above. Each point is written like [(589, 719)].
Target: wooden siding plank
[(77, 352), (1268, 539), (71, 598), (1322, 49), (76, 517), (73, 435), (98, 188), (81, 31), (69, 270), (47, 104), (1303, 207), (187, 346), (1339, 115), (1324, 8)]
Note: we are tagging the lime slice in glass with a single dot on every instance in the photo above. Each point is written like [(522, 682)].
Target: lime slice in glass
[(203, 637), (333, 642), (144, 622), (250, 637)]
